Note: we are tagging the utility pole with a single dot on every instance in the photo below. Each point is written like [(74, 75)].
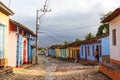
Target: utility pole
[(44, 10)]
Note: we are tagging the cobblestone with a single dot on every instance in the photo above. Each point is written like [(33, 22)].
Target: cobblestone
[(54, 69)]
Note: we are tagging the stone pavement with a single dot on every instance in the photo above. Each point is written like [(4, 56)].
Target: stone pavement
[(54, 69)]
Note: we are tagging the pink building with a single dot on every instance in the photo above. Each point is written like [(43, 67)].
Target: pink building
[(20, 44)]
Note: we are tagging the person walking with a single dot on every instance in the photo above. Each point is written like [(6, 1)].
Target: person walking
[(96, 54)]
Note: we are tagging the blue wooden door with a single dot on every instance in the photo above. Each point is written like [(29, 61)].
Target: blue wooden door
[(1, 41), (19, 50)]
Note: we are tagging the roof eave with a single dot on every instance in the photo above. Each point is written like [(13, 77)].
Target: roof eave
[(111, 16), (6, 9)]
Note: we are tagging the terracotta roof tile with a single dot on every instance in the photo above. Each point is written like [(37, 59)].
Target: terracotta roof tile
[(113, 15)]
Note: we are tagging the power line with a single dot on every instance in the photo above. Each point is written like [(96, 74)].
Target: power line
[(44, 10), (77, 29)]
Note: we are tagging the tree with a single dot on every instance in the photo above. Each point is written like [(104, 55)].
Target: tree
[(40, 48), (103, 29), (67, 42), (88, 36), (77, 39)]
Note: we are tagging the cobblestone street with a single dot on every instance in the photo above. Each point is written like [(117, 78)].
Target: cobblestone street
[(53, 69)]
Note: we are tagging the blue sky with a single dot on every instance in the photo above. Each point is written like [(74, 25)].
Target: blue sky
[(68, 20)]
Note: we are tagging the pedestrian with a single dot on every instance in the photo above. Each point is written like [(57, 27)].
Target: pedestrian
[(96, 54)]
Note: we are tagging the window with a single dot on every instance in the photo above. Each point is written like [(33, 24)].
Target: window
[(82, 51), (2, 41), (93, 50), (88, 50), (114, 36)]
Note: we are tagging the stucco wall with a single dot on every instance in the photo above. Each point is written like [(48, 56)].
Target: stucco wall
[(57, 52), (4, 19), (115, 50), (64, 53), (105, 46), (91, 56), (12, 48)]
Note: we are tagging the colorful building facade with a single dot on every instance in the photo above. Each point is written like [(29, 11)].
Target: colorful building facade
[(74, 50), (88, 48), (63, 52), (5, 12), (52, 51), (20, 41)]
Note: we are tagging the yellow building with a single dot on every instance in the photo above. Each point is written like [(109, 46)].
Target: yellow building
[(74, 50), (57, 50), (4, 32)]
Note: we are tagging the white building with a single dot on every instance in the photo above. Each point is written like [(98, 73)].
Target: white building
[(112, 69), (114, 27)]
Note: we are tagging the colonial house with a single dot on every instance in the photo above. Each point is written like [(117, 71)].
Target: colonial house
[(5, 12), (112, 69), (74, 50), (20, 43), (57, 50), (88, 48), (52, 51), (63, 52)]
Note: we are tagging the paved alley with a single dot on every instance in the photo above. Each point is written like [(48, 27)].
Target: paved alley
[(54, 69)]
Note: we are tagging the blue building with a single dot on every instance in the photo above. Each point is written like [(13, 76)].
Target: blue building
[(52, 51), (88, 48)]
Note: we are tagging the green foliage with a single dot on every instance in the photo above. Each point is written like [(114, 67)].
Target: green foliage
[(41, 48), (88, 36), (103, 29), (77, 39), (67, 42)]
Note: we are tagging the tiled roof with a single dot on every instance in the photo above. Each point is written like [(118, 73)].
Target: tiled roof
[(93, 40), (113, 15), (6, 9), (22, 26), (63, 47), (56, 46), (76, 43)]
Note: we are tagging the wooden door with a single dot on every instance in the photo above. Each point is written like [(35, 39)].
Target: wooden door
[(24, 52), (78, 54)]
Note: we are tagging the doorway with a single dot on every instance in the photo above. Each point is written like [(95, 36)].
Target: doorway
[(24, 52)]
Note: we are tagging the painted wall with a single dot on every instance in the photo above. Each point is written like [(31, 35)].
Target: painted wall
[(104, 50), (115, 50), (105, 46), (12, 48), (57, 52), (64, 53), (4, 19), (52, 52), (72, 52), (84, 53)]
